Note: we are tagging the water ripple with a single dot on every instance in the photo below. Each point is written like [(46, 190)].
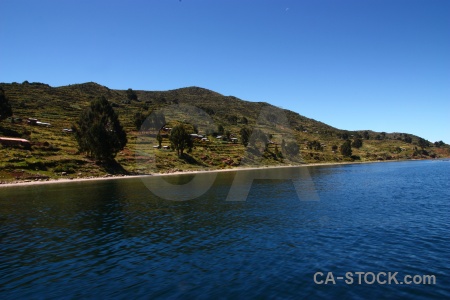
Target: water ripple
[(115, 240)]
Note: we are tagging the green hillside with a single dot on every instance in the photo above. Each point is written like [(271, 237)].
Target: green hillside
[(53, 152)]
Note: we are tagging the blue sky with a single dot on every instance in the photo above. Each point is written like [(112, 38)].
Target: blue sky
[(364, 64)]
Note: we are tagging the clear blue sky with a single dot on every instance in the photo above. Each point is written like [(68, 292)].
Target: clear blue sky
[(376, 64)]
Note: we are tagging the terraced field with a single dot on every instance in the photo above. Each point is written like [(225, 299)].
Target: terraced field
[(54, 152)]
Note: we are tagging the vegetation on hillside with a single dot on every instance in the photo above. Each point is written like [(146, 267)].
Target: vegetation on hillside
[(229, 132), (98, 131), (5, 107), (180, 139)]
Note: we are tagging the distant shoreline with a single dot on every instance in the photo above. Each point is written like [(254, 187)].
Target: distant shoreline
[(116, 177)]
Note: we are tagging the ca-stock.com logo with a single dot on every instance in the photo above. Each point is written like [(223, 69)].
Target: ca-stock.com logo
[(271, 130)]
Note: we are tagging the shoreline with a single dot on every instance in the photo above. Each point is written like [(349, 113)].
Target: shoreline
[(116, 177)]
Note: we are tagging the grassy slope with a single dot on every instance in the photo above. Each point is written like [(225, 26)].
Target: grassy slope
[(54, 151)]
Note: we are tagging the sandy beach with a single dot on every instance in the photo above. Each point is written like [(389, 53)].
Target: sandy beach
[(116, 177)]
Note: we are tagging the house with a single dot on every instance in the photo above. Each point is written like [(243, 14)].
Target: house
[(4, 141), (32, 121), (43, 124), (196, 136)]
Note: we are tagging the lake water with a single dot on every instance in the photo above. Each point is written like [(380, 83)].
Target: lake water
[(115, 239)]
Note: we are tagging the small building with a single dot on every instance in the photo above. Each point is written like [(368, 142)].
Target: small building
[(43, 124), (11, 142), (32, 121)]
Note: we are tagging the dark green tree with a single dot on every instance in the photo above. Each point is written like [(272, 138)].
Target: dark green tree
[(180, 139), (232, 119), (357, 143), (228, 135), (283, 146), (334, 147), (159, 139), (139, 119), (316, 145), (244, 120), (346, 148), (5, 107), (98, 131), (408, 139), (366, 135), (220, 129), (278, 153), (245, 135), (439, 144), (131, 95), (423, 143)]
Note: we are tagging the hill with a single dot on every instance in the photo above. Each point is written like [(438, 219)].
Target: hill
[(280, 137)]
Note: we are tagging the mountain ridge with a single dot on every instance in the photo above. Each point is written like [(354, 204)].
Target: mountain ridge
[(61, 106)]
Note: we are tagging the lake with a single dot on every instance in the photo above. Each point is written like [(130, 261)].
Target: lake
[(115, 239)]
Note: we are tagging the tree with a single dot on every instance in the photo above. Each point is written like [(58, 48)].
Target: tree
[(366, 135), (159, 139), (98, 131), (228, 135), (244, 120), (131, 95), (232, 119), (180, 139), (439, 144), (357, 143), (5, 107), (346, 148), (245, 135), (220, 129), (334, 147), (278, 153), (283, 146), (316, 145), (423, 143), (408, 139), (139, 119)]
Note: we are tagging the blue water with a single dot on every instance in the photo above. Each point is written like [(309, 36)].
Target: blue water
[(114, 239)]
